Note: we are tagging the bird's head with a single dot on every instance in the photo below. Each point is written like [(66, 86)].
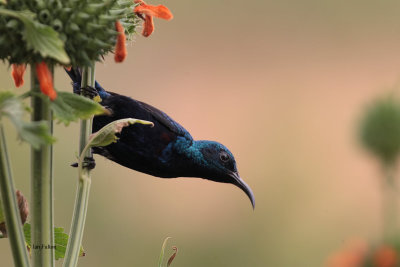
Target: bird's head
[(218, 164)]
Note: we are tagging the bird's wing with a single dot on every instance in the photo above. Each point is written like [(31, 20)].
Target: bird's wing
[(165, 120)]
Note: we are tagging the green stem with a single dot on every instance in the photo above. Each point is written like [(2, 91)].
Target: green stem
[(82, 196), (41, 186), (389, 204), (10, 208)]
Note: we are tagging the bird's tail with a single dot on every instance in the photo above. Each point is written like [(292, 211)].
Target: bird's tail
[(76, 76)]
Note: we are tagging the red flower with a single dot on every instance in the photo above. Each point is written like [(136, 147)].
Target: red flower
[(45, 80), (120, 47), (148, 26), (150, 11), (17, 73)]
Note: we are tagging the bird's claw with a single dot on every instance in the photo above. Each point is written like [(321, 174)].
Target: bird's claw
[(89, 91), (88, 162)]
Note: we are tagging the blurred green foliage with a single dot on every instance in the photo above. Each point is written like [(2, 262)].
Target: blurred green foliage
[(380, 129)]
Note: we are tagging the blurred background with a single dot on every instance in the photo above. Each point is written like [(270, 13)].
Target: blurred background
[(282, 84)]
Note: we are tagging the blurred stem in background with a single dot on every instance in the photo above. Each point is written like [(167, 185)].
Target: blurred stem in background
[(380, 134), (41, 182), (390, 207)]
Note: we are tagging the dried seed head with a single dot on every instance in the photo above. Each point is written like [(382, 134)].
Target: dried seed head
[(23, 211), (23, 206)]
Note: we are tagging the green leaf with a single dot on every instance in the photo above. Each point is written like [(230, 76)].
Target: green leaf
[(45, 40), (27, 234), (60, 241), (10, 105), (35, 133), (41, 38), (69, 107), (106, 135)]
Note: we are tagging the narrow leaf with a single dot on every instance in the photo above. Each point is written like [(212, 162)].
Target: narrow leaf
[(60, 241), (161, 259), (69, 107), (41, 38)]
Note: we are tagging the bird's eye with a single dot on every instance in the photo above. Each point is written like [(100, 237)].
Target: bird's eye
[(224, 156)]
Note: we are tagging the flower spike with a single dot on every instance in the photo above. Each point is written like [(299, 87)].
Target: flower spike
[(17, 73), (45, 80), (147, 12), (120, 47)]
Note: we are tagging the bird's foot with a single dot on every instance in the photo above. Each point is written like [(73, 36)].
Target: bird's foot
[(88, 162), (89, 91)]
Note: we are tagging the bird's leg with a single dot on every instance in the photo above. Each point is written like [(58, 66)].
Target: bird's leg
[(88, 162), (76, 87)]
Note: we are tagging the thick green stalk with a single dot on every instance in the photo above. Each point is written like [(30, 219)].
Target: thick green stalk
[(82, 196), (10, 208), (42, 234)]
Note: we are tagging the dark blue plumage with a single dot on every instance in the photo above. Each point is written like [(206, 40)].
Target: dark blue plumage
[(167, 150)]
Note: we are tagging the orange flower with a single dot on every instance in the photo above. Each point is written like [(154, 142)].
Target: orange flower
[(385, 256), (148, 26), (352, 254), (120, 47), (45, 80), (17, 73), (150, 11)]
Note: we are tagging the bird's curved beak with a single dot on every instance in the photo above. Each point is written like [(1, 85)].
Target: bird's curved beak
[(242, 185)]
